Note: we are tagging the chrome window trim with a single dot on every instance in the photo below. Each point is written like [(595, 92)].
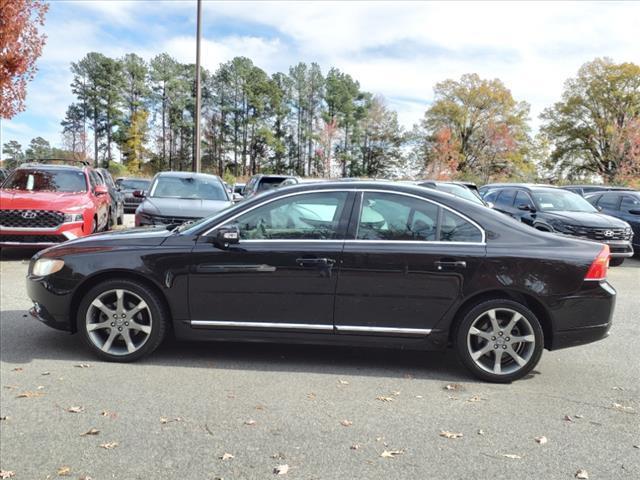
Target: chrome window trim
[(360, 191)]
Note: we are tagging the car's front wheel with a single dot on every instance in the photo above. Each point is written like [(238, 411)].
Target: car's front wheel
[(121, 320), (499, 340)]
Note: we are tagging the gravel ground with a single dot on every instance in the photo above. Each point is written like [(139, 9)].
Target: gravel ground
[(326, 413)]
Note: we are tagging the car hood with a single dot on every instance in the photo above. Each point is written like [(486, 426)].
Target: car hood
[(182, 207), (20, 200), (587, 219)]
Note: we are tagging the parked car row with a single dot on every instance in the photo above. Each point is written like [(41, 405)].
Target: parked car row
[(47, 202)]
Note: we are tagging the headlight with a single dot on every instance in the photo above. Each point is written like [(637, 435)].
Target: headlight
[(46, 266), (73, 217)]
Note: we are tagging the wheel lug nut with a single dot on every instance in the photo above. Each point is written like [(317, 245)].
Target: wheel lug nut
[(495, 346), (126, 324), (507, 339), (493, 338), (504, 347), (113, 324), (123, 315), (115, 316), (500, 333), (120, 329)]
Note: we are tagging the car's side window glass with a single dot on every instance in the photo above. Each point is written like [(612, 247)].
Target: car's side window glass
[(491, 196), (92, 181), (505, 199), (523, 198), (386, 216), (630, 203), (312, 216), (454, 228), (609, 202)]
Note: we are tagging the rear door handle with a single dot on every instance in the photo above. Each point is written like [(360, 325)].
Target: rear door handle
[(440, 264), (313, 262)]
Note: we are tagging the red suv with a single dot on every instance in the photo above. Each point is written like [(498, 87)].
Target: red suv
[(45, 204)]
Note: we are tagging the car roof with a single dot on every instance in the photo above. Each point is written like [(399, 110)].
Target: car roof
[(518, 185), (49, 166), (186, 175)]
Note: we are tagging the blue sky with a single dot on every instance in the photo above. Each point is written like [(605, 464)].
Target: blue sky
[(395, 49)]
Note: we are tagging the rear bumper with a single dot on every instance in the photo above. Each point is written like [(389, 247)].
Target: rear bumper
[(584, 317)]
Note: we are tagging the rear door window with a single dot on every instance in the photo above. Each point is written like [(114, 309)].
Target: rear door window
[(609, 201), (523, 198), (505, 199), (630, 203)]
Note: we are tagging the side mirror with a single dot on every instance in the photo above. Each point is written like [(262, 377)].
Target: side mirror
[(599, 208), (526, 208), (237, 197), (634, 212), (101, 190), (227, 235), (139, 193)]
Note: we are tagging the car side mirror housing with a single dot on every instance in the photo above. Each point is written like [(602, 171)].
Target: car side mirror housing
[(526, 208), (101, 190), (237, 197), (139, 193), (634, 211), (227, 235)]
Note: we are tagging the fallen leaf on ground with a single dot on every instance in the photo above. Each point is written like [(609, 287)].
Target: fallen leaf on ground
[(260, 407), (30, 395), (343, 382), (453, 386), (45, 373), (281, 469), (17, 369), (164, 420), (83, 365), (279, 456), (346, 423), (618, 388), (567, 418), (64, 471), (446, 434), (40, 387), (578, 416), (109, 445), (76, 409), (619, 406), (311, 396), (480, 432), (85, 477), (384, 398), (475, 398), (541, 440), (391, 453), (419, 396), (582, 474), (92, 431), (7, 473), (250, 422), (11, 387), (511, 455), (355, 446), (107, 413), (226, 456)]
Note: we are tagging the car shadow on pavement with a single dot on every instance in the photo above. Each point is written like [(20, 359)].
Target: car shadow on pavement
[(7, 254), (23, 339)]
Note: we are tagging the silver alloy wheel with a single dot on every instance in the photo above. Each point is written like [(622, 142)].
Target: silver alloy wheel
[(118, 322), (501, 341)]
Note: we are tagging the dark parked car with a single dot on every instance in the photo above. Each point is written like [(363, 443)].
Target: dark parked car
[(178, 197), (342, 263), (585, 190), (462, 190), (624, 205), (556, 210), (116, 208), (262, 183), (128, 186)]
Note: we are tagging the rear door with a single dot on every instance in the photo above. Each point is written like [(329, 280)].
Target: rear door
[(504, 202), (407, 262)]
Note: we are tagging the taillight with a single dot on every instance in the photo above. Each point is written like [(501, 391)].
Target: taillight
[(599, 267)]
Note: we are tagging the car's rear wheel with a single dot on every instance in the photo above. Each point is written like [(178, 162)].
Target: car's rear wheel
[(499, 340), (121, 320), (616, 262)]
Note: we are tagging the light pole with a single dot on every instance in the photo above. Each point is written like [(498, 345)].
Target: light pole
[(196, 160)]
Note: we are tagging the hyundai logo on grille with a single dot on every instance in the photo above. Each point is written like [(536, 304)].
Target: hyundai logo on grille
[(608, 233), (29, 214)]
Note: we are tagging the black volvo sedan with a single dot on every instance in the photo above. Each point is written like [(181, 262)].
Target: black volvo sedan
[(357, 263)]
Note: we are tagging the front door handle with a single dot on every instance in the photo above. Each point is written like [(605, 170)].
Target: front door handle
[(314, 262), (441, 264)]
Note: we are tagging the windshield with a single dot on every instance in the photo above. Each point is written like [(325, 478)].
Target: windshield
[(461, 192), (188, 187), (561, 201), (127, 184), (42, 180)]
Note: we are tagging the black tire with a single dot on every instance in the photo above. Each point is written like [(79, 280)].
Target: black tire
[(158, 319), (616, 262), (111, 221), (120, 220), (530, 326), (94, 225)]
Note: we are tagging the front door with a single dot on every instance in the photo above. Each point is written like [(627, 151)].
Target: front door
[(282, 274), (405, 267)]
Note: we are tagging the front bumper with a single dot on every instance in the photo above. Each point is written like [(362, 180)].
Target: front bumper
[(50, 304), (620, 248), (583, 317), (40, 237)]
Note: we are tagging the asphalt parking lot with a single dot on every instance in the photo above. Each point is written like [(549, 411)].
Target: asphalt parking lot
[(233, 411)]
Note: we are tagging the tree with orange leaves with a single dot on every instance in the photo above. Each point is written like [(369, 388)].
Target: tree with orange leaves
[(21, 45)]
